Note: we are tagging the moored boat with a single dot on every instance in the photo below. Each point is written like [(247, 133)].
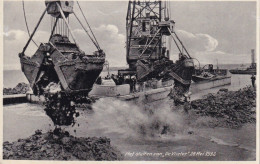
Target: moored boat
[(251, 70), (207, 77)]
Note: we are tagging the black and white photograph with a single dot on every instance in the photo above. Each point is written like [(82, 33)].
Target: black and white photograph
[(137, 80)]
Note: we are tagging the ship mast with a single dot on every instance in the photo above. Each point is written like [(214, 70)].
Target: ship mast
[(147, 25), (253, 64), (142, 27)]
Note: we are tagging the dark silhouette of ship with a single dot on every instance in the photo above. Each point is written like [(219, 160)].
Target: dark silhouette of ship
[(209, 74), (251, 70)]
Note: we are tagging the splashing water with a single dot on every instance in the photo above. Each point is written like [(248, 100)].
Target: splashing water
[(130, 119)]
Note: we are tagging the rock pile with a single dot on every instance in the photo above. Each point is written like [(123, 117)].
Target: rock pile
[(233, 108), (60, 145), (21, 88)]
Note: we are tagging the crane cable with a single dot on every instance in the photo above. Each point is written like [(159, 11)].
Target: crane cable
[(27, 24), (88, 24), (97, 46)]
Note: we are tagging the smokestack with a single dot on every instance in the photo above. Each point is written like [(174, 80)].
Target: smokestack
[(253, 55)]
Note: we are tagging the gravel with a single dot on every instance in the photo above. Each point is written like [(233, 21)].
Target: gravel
[(60, 145), (231, 108), (21, 88)]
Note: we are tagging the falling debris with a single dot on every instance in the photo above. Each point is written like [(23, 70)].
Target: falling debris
[(60, 111), (60, 145), (60, 66), (232, 108)]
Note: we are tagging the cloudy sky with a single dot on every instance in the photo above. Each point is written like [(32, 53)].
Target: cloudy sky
[(211, 31)]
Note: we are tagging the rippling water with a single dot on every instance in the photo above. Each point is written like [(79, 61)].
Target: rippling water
[(133, 130)]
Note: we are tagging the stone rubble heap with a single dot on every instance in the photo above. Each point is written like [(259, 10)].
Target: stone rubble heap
[(60, 145), (21, 88), (234, 108)]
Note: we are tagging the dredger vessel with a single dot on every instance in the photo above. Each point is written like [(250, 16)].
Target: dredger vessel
[(151, 74), (59, 70)]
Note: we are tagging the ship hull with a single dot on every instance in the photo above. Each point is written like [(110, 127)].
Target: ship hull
[(122, 92), (146, 97), (211, 83), (199, 79), (248, 72)]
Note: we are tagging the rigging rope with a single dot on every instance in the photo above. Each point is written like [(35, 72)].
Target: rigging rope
[(88, 25), (86, 32), (27, 24), (183, 47)]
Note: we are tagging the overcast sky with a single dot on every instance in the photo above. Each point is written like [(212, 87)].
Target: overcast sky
[(211, 31)]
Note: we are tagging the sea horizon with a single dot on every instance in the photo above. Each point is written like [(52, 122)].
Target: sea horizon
[(14, 76)]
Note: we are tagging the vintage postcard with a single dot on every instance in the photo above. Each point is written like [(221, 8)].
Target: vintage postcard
[(136, 80)]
